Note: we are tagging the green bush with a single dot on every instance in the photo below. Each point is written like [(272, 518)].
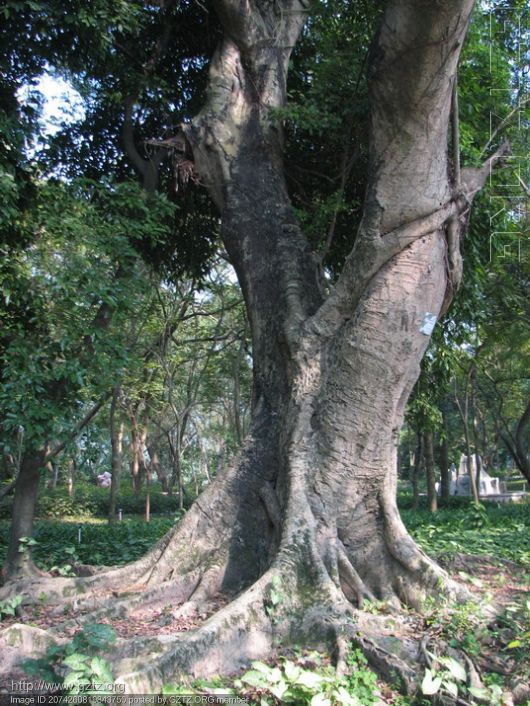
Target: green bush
[(57, 542), (77, 665), (58, 504), (92, 501), (499, 531)]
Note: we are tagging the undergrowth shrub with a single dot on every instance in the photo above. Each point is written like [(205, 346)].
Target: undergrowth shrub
[(77, 666)]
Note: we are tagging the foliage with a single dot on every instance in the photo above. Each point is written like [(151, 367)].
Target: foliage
[(9, 606), (449, 532), (305, 680), (504, 534), (77, 665), (71, 345), (57, 542), (326, 125), (516, 618), (447, 676), (92, 501)]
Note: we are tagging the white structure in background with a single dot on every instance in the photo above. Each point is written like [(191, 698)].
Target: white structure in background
[(460, 482), (105, 480)]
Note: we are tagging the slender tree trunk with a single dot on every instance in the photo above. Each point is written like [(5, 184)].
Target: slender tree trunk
[(71, 477), (521, 443), (136, 451), (418, 460), (158, 468), (148, 493), (19, 563), (445, 481), (50, 476), (464, 416), (174, 439), (116, 443), (432, 499)]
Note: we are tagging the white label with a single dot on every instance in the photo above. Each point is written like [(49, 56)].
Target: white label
[(427, 326)]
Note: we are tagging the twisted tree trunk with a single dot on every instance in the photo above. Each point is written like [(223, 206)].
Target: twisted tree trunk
[(309, 505)]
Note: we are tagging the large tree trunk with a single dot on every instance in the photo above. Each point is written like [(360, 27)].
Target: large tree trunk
[(309, 504), (518, 447)]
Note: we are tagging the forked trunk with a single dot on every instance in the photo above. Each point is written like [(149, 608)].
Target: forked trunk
[(337, 374)]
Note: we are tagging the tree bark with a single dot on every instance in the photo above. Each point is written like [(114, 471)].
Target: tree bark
[(432, 499), (137, 463), (464, 416), (116, 443), (19, 563), (445, 481), (521, 444), (418, 460), (158, 468)]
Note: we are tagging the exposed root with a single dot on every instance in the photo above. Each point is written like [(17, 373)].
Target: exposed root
[(422, 575), (312, 610), (228, 640), (95, 608), (19, 641), (57, 589), (343, 645), (249, 627), (351, 578)]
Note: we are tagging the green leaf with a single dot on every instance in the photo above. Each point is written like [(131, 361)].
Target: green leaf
[(342, 696), (311, 680), (261, 667), (254, 678), (292, 672), (513, 644), (456, 669), (479, 693), (75, 679), (278, 690), (451, 688), (321, 700), (431, 683), (76, 660), (101, 669)]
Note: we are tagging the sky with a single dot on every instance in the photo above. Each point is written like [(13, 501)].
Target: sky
[(62, 103)]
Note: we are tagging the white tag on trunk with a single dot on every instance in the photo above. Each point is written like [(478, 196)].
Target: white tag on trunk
[(428, 323)]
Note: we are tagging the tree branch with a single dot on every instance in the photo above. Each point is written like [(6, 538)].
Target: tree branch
[(503, 124), (371, 252), (7, 489), (78, 427)]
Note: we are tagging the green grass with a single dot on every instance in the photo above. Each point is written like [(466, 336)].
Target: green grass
[(502, 532), (495, 531), (101, 543)]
